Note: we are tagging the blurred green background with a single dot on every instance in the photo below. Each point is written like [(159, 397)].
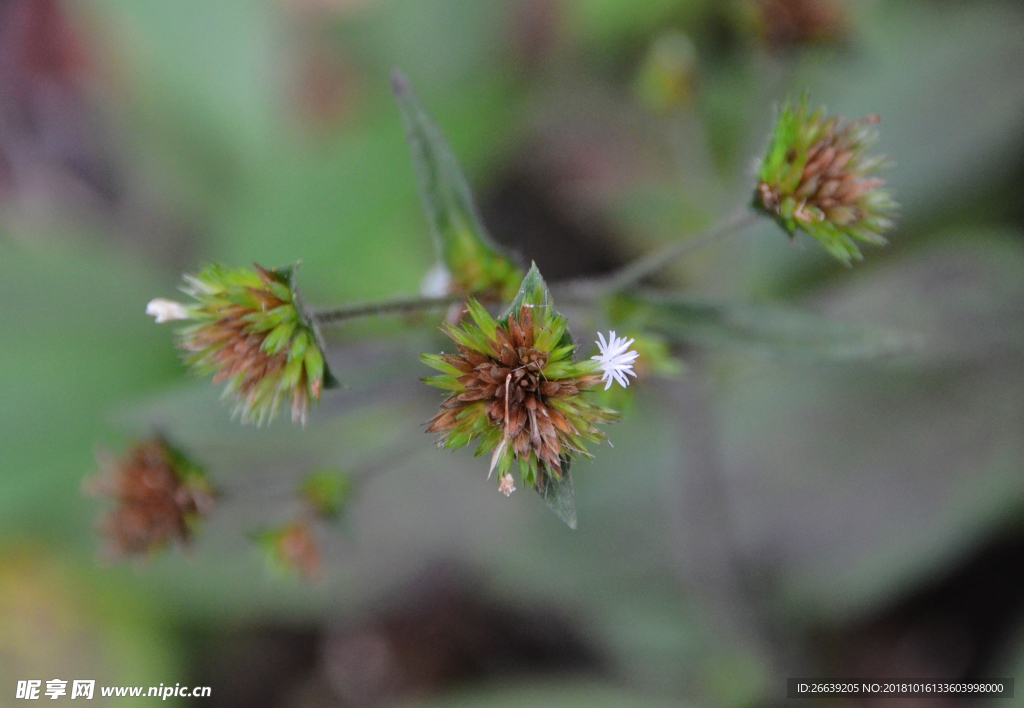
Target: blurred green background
[(790, 507)]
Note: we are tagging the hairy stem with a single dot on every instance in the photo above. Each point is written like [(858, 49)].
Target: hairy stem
[(387, 307)]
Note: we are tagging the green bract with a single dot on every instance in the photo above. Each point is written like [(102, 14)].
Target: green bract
[(817, 177), (250, 331)]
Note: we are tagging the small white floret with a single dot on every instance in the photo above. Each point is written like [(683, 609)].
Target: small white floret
[(616, 359), (437, 282), (507, 485), (166, 310)]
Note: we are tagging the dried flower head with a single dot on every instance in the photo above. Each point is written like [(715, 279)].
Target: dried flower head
[(794, 23), (817, 176), (516, 389), (251, 331), (160, 495)]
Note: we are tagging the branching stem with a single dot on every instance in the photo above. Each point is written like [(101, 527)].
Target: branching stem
[(386, 307), (585, 290), (639, 269)]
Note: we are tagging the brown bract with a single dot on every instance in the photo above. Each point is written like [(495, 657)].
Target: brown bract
[(509, 380), (826, 183), (154, 505), (242, 352)]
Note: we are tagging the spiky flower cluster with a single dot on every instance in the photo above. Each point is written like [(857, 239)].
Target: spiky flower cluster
[(250, 331), (160, 497), (817, 177), (516, 389)]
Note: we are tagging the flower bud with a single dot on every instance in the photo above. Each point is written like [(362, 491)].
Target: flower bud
[(251, 331), (817, 177), (668, 74)]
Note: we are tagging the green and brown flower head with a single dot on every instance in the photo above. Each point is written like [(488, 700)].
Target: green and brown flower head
[(818, 177), (251, 331), (516, 389), (160, 495)]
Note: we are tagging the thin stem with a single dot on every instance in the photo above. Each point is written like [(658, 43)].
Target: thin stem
[(387, 307), (582, 290), (653, 262)]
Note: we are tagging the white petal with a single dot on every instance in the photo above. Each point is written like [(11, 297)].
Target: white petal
[(615, 359)]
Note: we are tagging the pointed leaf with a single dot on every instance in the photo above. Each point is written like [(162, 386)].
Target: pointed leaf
[(560, 496), (763, 329), (532, 291), (461, 241)]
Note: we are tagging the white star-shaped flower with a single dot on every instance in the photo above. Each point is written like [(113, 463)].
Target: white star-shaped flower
[(615, 360)]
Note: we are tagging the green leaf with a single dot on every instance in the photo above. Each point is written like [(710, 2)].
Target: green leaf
[(532, 291), (461, 241), (765, 330), (559, 495)]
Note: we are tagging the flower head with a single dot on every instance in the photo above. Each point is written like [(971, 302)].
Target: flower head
[(515, 388), (615, 360), (160, 497), (817, 177), (250, 331)]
